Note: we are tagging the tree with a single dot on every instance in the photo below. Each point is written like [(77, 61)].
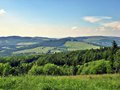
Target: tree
[(116, 63), (114, 47), (5, 69), (75, 69), (114, 44), (36, 70), (52, 69), (95, 67), (24, 68)]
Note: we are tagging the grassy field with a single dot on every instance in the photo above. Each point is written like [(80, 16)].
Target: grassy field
[(79, 46), (39, 50), (83, 82), (69, 46)]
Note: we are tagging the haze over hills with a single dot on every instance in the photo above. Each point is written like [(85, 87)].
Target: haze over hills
[(37, 45)]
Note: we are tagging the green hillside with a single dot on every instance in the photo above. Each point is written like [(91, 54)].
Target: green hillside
[(35, 50), (68, 46), (79, 46), (17, 45), (40, 50)]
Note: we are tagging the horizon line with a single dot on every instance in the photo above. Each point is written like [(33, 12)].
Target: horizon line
[(58, 37)]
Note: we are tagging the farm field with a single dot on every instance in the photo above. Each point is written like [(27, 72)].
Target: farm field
[(71, 46), (81, 82)]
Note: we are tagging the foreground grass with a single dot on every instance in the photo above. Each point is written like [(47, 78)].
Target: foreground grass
[(82, 82)]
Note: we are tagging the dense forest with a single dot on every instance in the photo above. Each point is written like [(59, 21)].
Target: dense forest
[(93, 61)]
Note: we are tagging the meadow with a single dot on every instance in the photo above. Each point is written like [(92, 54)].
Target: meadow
[(80, 82), (68, 46), (73, 45)]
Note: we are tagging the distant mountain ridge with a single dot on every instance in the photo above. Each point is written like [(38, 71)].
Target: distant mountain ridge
[(11, 44)]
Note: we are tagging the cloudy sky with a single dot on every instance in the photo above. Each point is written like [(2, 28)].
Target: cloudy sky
[(60, 18)]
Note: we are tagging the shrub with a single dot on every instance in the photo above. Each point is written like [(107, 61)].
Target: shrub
[(67, 70), (36, 70), (4, 69), (95, 67), (52, 69)]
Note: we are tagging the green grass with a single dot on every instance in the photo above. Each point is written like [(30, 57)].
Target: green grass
[(69, 46), (79, 46), (39, 50), (83, 82), (36, 50)]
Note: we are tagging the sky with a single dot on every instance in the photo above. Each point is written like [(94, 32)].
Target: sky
[(59, 18)]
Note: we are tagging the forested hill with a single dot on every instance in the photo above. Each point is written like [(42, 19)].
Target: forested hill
[(16, 45), (93, 61)]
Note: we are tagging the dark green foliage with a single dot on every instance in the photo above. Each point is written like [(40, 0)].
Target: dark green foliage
[(24, 68), (5, 69), (67, 70), (36, 70), (114, 45), (94, 61), (51, 69), (116, 63)]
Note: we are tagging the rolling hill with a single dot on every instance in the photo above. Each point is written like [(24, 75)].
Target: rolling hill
[(38, 45)]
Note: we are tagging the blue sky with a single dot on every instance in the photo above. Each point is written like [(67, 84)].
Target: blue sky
[(59, 18)]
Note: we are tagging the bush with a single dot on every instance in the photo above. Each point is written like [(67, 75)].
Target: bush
[(5, 69), (95, 67), (80, 67), (36, 70), (52, 69), (67, 70), (24, 68)]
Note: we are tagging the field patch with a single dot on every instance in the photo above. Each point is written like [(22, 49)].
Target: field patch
[(79, 46)]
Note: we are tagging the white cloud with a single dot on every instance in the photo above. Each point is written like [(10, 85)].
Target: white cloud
[(113, 25), (2, 12), (94, 19), (74, 28)]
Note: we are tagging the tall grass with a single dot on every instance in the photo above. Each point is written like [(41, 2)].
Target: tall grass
[(83, 82)]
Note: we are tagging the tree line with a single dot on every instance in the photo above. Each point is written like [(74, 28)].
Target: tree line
[(93, 61)]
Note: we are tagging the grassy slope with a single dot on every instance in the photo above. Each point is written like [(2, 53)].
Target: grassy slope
[(79, 46), (40, 50), (37, 50), (83, 82), (71, 46)]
